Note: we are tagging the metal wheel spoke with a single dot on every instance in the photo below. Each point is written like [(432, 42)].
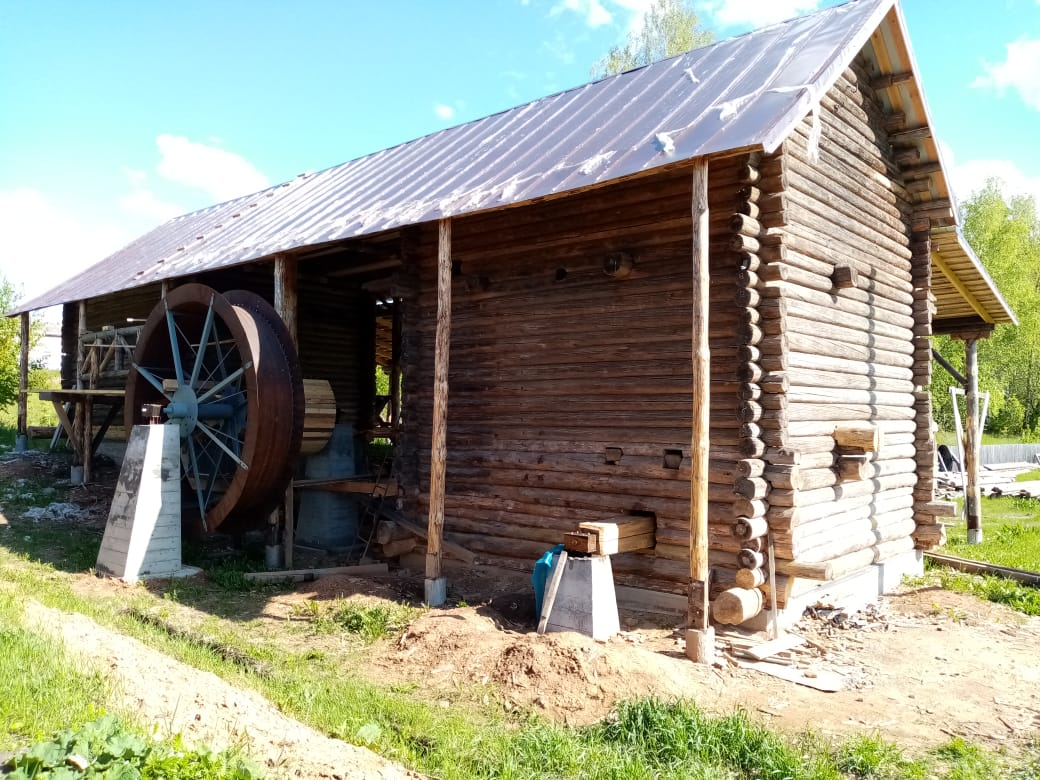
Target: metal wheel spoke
[(152, 379), (217, 474), (175, 351), (224, 383), (198, 479), (201, 426), (200, 356)]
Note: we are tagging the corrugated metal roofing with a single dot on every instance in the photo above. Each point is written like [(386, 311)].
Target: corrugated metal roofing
[(746, 92)]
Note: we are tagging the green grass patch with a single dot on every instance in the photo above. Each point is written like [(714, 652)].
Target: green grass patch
[(460, 738), (368, 621), (43, 689), (37, 413), (1010, 532), (1028, 476)]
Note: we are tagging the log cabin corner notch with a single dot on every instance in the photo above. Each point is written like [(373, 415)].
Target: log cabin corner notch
[(833, 255)]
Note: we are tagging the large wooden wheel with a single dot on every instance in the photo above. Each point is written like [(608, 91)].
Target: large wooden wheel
[(223, 368)]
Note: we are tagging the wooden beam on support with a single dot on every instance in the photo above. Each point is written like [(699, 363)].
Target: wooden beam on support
[(435, 586), (286, 303), (890, 80), (972, 441), (700, 637), (22, 442), (912, 134), (953, 372)]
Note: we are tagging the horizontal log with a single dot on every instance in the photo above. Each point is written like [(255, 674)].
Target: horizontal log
[(828, 570), (890, 549)]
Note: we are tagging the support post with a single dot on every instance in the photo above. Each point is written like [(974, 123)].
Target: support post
[(700, 636), (435, 584), (972, 441), (22, 439), (286, 303)]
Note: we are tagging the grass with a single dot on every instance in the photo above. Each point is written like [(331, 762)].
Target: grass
[(642, 739), (316, 683), (1010, 531), (1011, 537), (43, 690), (37, 413)]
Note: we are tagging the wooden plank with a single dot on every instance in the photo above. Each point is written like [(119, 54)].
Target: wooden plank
[(620, 527), (438, 447), (457, 550), (699, 442), (580, 542), (772, 647), (286, 303), (307, 575), (820, 679), (551, 589), (359, 485), (979, 567)]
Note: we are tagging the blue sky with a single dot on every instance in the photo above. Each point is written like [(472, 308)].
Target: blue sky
[(117, 115)]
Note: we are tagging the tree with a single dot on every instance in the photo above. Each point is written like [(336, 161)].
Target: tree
[(1005, 234), (10, 345), (670, 27)]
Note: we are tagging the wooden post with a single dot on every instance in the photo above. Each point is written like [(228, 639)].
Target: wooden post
[(286, 303), (22, 440), (435, 585), (972, 440), (700, 637), (286, 296)]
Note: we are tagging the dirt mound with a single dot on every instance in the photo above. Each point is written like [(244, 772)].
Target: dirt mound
[(567, 676)]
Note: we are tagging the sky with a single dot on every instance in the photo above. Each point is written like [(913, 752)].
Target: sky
[(118, 115)]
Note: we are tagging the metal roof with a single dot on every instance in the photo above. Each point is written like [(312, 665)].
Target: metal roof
[(742, 93)]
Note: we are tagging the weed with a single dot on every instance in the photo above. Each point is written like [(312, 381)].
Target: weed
[(368, 621), (870, 755), (106, 748)]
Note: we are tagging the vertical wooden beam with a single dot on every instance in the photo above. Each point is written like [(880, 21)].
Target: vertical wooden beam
[(700, 637), (395, 367), (972, 442), (435, 586), (22, 440), (286, 293), (286, 303)]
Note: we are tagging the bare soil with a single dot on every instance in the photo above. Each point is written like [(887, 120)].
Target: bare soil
[(923, 666)]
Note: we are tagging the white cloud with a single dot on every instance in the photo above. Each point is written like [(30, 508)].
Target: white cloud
[(1020, 71), (595, 14), (443, 111), (757, 13), (44, 245), (221, 174), (971, 176), (144, 203)]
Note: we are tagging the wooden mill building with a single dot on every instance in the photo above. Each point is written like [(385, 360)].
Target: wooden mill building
[(700, 292)]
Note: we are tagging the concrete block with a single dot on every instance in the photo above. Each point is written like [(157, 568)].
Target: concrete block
[(586, 601), (143, 535), (436, 592)]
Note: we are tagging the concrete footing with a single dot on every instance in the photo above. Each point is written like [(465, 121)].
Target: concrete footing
[(700, 645), (585, 601), (143, 535), (21, 443), (436, 592)]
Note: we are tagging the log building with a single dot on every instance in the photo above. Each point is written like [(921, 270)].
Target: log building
[(700, 292)]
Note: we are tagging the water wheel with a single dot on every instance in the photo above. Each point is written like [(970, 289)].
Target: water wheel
[(223, 368)]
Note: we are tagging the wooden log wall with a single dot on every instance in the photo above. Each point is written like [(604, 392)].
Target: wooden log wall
[(845, 318), (569, 389), (924, 438)]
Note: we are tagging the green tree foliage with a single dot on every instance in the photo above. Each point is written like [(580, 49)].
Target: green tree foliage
[(1005, 234), (670, 27), (10, 332)]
